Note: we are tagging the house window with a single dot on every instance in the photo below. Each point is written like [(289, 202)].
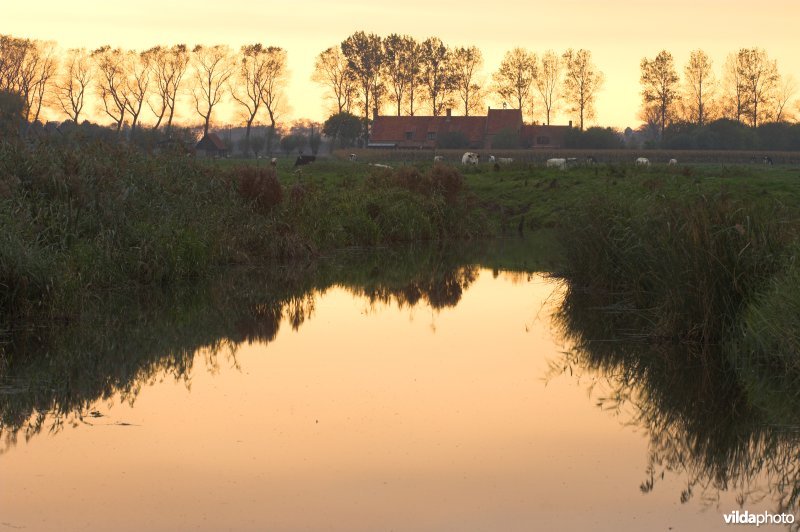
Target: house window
[(431, 135), (542, 140), (409, 135)]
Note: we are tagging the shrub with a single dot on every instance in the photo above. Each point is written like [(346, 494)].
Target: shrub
[(447, 180), (259, 186)]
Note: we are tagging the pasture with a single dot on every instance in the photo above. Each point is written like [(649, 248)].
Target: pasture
[(526, 194)]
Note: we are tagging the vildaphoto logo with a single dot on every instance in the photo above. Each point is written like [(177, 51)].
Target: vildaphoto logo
[(766, 518)]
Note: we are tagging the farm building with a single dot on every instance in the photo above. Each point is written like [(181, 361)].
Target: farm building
[(498, 126), (211, 146)]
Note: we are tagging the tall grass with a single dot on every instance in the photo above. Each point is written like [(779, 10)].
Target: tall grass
[(688, 266), (79, 219)]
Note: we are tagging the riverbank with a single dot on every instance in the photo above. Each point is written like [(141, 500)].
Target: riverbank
[(79, 220), (84, 219)]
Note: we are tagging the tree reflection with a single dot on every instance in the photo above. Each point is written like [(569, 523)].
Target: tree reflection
[(702, 417), (51, 377)]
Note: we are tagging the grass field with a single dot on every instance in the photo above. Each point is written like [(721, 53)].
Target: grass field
[(537, 196)]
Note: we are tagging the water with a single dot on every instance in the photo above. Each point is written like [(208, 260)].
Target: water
[(428, 400)]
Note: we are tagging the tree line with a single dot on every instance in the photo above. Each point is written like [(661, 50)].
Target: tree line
[(368, 71), (749, 90), (128, 83)]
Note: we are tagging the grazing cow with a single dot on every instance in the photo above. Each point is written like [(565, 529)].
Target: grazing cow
[(767, 160), (353, 157), (505, 160), (273, 162), (672, 162), (492, 159), (304, 159), (642, 161), (561, 164), (438, 158), (590, 160), (470, 158)]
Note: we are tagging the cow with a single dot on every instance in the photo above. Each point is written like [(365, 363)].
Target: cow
[(767, 160), (642, 161), (353, 157), (561, 164), (505, 160), (492, 159), (377, 165), (672, 162), (438, 158), (273, 162), (470, 158), (304, 159)]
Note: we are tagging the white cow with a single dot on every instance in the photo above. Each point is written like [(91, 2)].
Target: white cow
[(492, 159), (642, 161), (353, 157), (505, 160), (561, 164), (470, 158), (438, 158), (672, 162), (378, 165)]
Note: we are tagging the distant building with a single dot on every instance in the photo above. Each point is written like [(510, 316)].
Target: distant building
[(475, 132), (211, 146)]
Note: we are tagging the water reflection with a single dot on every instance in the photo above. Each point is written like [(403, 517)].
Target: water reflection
[(52, 376), (706, 421), (702, 416)]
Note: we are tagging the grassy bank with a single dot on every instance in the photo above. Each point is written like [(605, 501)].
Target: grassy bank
[(80, 219)]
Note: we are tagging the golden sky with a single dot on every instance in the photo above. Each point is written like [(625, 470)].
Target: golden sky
[(618, 32)]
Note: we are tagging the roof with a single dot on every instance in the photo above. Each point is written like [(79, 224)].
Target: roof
[(395, 129), (499, 119), (210, 142)]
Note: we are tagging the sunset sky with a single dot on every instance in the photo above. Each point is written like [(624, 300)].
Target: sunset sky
[(618, 32)]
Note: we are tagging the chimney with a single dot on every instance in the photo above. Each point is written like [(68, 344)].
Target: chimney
[(449, 113), (570, 123)]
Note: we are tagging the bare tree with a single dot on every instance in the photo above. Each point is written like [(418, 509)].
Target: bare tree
[(734, 104), (437, 74), (75, 78), (110, 64), (660, 86), (330, 71), (251, 82), (272, 97), (213, 67), (548, 82), (699, 85), (759, 79), (137, 83), (786, 91), (399, 65), (13, 52), (582, 81), (514, 79), (364, 55), (169, 66), (466, 64), (38, 69)]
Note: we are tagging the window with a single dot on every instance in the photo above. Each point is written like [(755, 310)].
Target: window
[(409, 135), (431, 135), (542, 140)]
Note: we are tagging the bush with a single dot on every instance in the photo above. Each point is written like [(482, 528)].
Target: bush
[(259, 186)]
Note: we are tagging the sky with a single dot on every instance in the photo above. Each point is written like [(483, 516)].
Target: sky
[(619, 33)]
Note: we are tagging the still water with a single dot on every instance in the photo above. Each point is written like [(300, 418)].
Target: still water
[(358, 409)]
